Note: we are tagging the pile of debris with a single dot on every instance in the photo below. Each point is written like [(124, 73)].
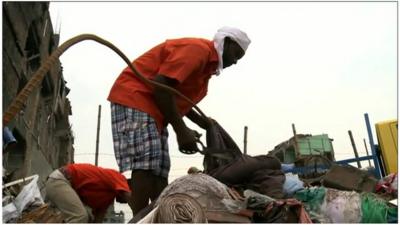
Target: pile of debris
[(200, 198), (23, 203), (237, 188)]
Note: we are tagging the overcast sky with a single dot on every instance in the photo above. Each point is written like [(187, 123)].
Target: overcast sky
[(319, 65)]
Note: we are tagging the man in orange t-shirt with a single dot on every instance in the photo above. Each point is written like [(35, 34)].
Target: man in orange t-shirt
[(73, 187), (140, 114)]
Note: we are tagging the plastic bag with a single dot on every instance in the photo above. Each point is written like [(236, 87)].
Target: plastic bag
[(292, 184), (29, 195), (342, 206), (256, 200), (9, 212), (388, 184), (376, 210)]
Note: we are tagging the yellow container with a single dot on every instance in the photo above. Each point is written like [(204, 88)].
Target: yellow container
[(387, 139)]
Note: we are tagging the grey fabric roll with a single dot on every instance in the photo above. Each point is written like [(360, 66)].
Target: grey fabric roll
[(179, 208), (206, 190)]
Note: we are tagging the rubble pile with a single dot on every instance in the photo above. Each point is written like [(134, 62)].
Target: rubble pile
[(27, 205), (315, 204), (265, 191)]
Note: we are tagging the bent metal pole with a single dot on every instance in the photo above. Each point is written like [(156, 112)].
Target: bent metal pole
[(36, 80)]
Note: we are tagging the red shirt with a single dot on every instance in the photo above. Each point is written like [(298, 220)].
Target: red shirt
[(190, 61), (97, 187)]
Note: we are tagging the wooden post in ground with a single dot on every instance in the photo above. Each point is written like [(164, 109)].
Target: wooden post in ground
[(354, 149), (96, 160), (245, 140)]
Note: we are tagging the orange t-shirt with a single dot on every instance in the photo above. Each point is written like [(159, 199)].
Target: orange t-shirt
[(97, 187), (190, 61)]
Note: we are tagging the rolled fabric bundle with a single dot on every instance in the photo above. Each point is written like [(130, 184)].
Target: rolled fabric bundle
[(179, 208), (206, 190)]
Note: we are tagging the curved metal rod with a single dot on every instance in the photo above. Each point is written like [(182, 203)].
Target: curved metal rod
[(17, 104)]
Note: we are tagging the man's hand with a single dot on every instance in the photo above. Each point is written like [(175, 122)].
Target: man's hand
[(166, 102), (99, 216), (187, 139)]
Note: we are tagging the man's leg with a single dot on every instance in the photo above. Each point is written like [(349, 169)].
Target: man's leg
[(145, 186), (159, 184), (64, 197), (139, 147), (141, 186)]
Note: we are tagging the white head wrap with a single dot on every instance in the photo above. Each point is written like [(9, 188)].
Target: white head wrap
[(235, 34)]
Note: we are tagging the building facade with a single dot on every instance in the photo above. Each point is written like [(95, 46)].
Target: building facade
[(42, 128)]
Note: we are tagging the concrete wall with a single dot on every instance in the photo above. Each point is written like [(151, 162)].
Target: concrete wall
[(42, 128)]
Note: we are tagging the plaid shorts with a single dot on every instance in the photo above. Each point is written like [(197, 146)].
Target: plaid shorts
[(137, 142)]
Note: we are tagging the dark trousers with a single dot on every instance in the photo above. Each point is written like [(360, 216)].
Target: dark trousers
[(145, 186)]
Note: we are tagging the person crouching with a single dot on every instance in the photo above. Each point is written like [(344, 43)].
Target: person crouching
[(74, 187)]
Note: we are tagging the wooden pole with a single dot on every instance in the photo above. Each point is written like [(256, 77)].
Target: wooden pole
[(97, 137), (245, 140), (296, 143), (366, 150), (354, 148)]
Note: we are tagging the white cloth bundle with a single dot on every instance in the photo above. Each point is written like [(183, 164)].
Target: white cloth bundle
[(235, 34)]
